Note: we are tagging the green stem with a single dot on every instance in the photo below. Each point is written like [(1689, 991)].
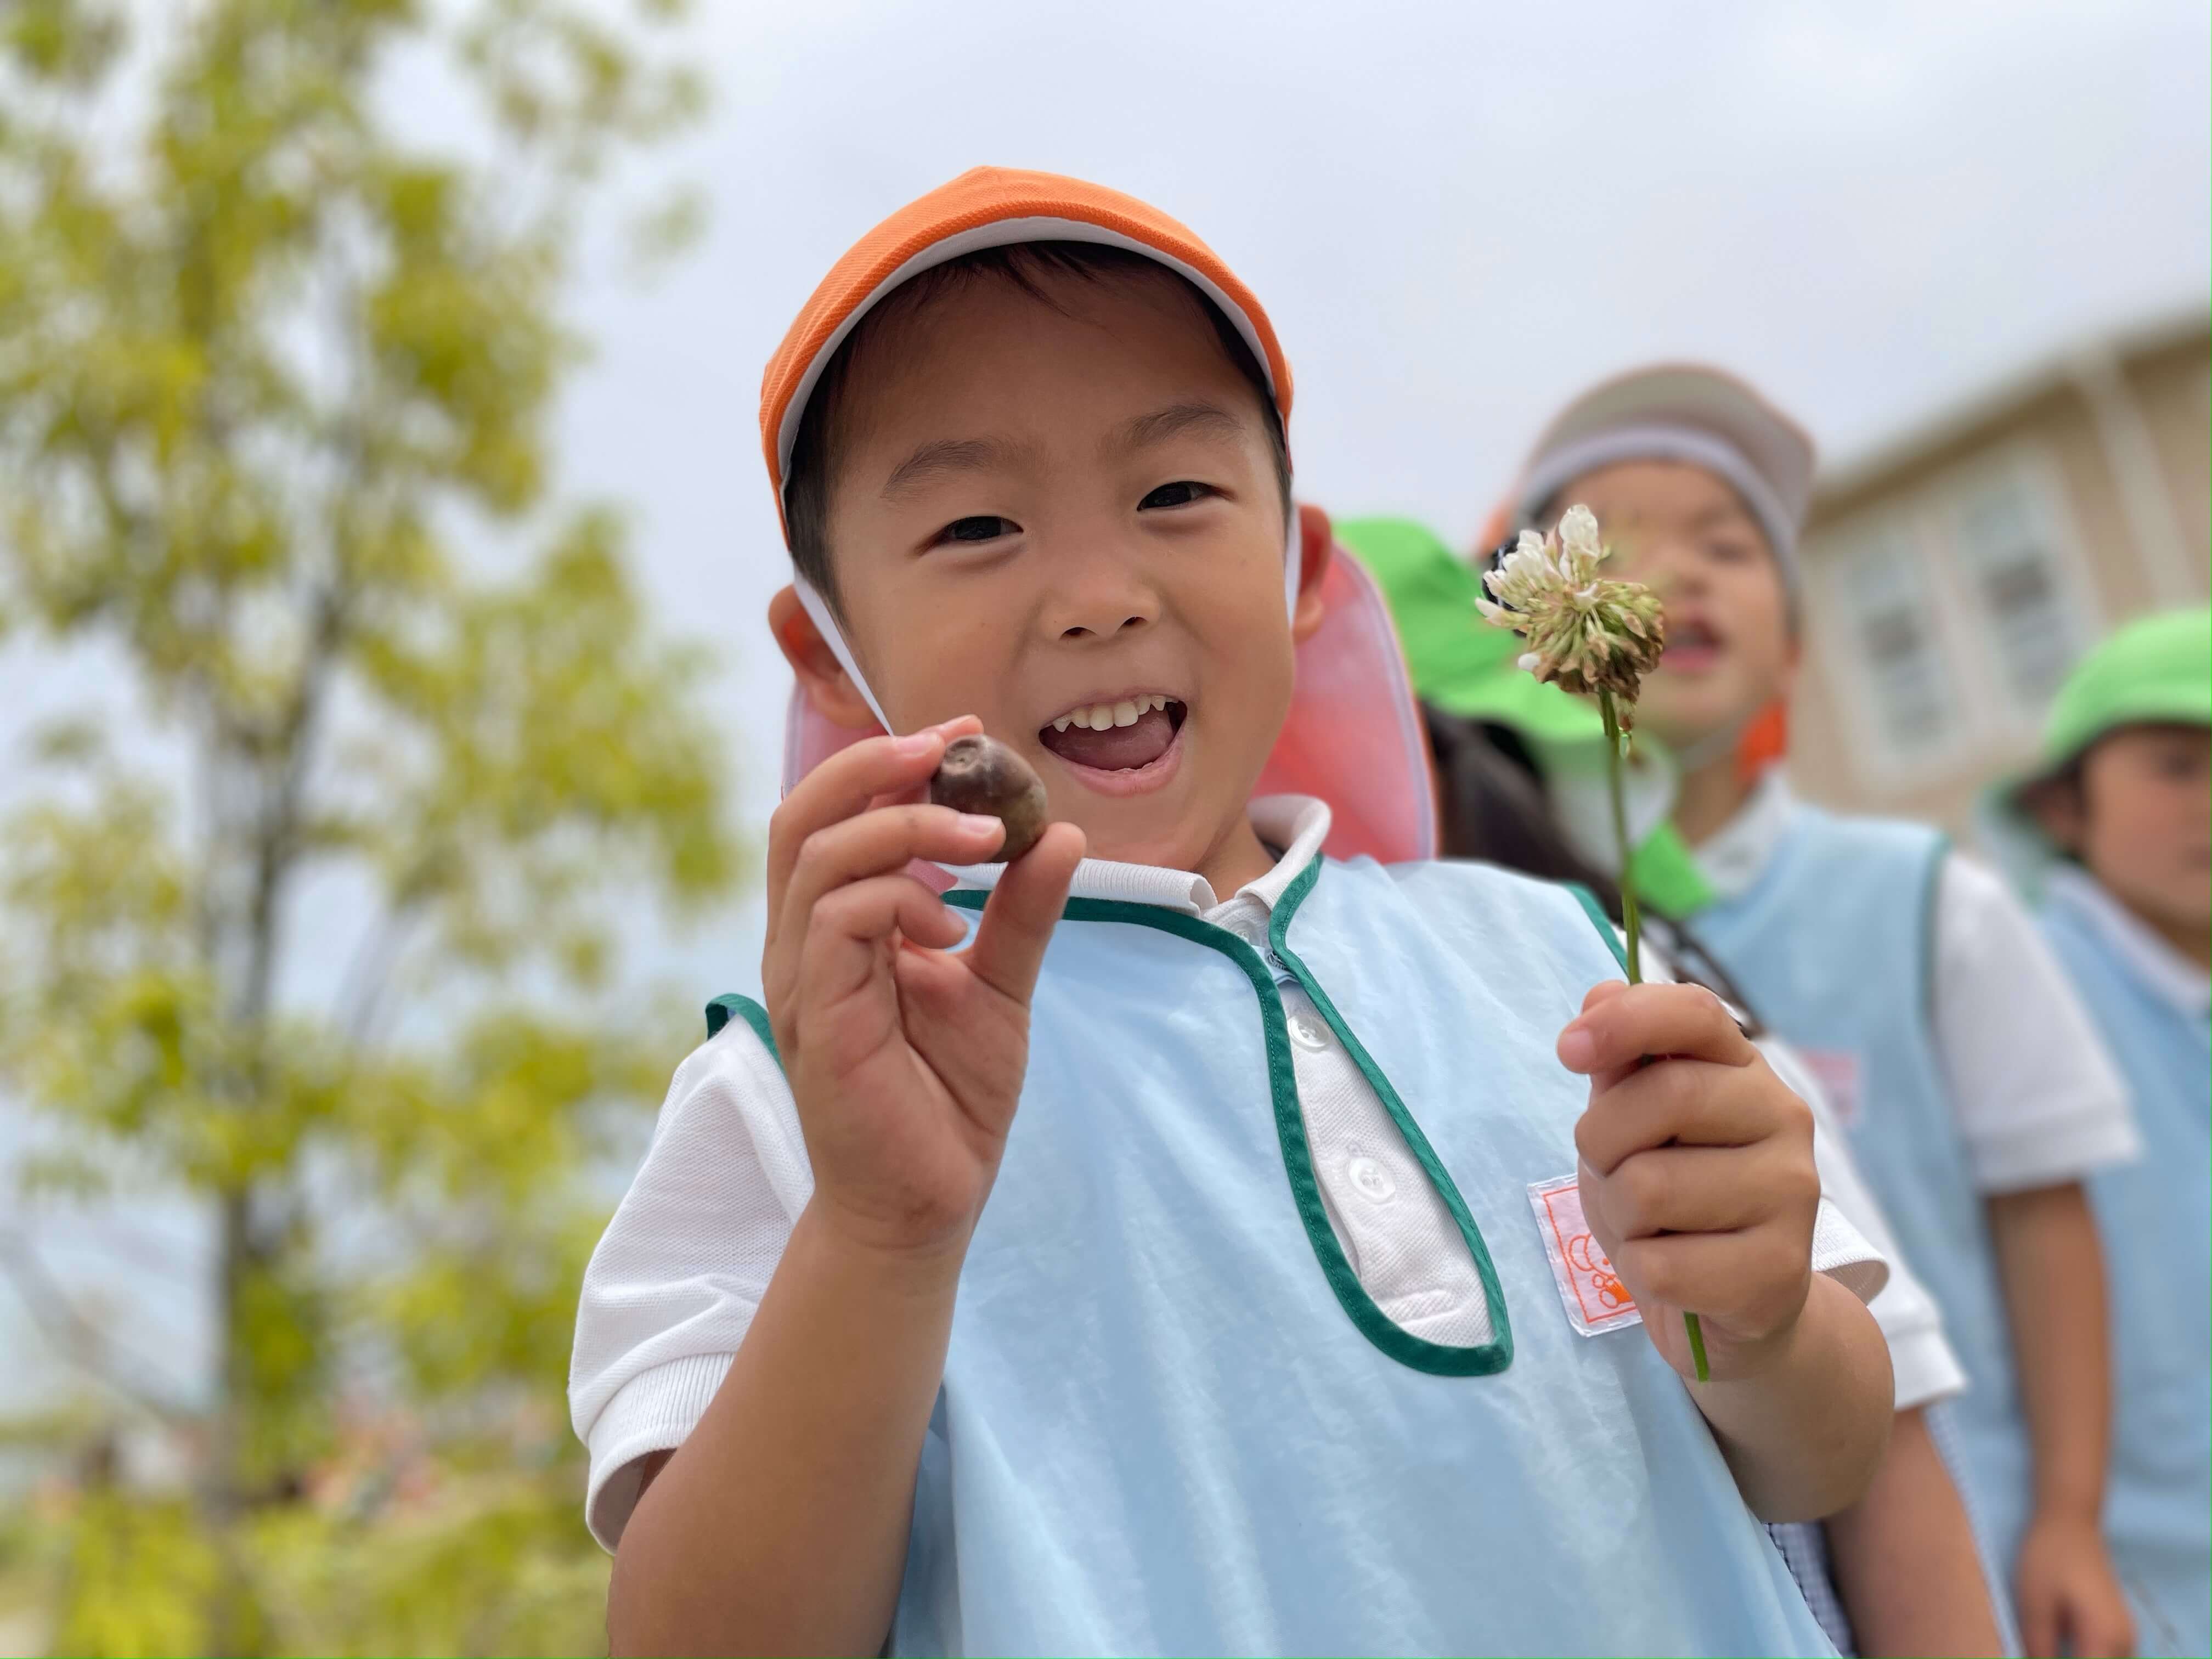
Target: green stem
[(1631, 917), (1632, 925)]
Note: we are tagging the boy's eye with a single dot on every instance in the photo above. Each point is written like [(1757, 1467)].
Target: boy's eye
[(1729, 552), (981, 527), (1182, 493)]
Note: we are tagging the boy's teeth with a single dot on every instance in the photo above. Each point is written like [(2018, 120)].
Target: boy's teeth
[(1105, 716)]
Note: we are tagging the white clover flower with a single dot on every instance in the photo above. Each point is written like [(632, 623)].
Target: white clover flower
[(1586, 634)]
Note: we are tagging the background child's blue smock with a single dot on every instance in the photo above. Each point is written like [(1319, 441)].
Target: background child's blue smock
[(1833, 944), (1171, 1419), (2156, 1217)]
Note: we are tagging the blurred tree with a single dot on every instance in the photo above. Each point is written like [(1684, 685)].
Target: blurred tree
[(261, 359)]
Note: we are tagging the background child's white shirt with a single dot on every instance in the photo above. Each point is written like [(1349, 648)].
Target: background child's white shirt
[(2039, 1102), (672, 1286)]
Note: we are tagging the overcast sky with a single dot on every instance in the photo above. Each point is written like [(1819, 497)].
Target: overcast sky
[(1457, 215)]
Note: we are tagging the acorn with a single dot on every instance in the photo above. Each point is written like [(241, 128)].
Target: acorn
[(982, 775)]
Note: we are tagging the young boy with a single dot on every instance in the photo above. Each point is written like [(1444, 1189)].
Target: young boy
[(1976, 1090), (1239, 1334), (2124, 793)]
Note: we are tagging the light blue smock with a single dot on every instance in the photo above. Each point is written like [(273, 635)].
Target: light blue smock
[(2155, 1217), (1833, 947), (1171, 1419)]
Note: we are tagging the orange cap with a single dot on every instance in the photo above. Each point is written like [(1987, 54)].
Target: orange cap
[(989, 207)]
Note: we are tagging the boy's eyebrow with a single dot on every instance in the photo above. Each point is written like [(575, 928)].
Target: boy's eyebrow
[(1718, 511), (943, 457), (1189, 414)]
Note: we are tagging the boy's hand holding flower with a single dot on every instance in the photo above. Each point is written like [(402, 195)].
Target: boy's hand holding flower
[(1696, 1174)]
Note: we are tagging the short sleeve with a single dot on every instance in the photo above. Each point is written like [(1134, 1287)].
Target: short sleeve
[(1920, 1356), (2039, 1102), (670, 1290)]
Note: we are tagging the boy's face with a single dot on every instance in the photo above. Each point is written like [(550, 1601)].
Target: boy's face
[(2142, 822), (1064, 518), (1682, 532)]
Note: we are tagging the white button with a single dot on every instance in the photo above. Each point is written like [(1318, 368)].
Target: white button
[(1307, 1032), (1372, 1179)]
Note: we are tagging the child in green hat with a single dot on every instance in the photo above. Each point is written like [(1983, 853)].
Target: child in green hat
[(2124, 795)]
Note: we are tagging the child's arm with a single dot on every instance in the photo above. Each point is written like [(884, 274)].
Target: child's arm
[(1904, 1560), (1698, 1179), (780, 1523), (2053, 1272)]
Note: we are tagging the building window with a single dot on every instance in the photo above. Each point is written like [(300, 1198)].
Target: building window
[(2009, 557), (1891, 633)]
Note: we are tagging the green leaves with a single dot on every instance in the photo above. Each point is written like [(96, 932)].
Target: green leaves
[(266, 366)]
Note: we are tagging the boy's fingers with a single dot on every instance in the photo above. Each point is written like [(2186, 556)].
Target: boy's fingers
[(1701, 1189), (845, 785), (1643, 1020), (1695, 1102), (1018, 920), (1732, 1275), (878, 842), (1603, 991), (845, 934)]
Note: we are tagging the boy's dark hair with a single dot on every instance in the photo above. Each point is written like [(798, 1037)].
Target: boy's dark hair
[(1494, 810), (808, 476)]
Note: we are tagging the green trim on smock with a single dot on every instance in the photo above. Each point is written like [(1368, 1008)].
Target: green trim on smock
[(1419, 1353), (718, 1015), (1607, 930)]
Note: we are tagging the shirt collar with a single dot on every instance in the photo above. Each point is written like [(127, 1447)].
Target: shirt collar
[(2171, 976), (1736, 854), (1296, 823)]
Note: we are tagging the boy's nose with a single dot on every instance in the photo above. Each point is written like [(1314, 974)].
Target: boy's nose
[(1078, 631), (1099, 604), (1662, 566)]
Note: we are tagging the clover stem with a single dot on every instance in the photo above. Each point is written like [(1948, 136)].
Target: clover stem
[(1632, 925), (1631, 919)]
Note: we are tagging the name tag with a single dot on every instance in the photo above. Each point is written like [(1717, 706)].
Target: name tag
[(1837, 1071), (1595, 1299)]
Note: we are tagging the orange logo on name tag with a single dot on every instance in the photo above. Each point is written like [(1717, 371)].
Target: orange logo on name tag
[(1595, 1299)]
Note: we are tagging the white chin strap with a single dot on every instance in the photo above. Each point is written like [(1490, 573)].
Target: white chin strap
[(826, 625), (825, 622)]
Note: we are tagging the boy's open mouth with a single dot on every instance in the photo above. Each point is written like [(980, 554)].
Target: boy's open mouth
[(1691, 644), (1121, 736)]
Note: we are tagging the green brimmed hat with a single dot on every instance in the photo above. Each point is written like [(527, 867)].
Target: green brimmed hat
[(2156, 670)]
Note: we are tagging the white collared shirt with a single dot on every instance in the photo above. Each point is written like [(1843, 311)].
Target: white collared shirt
[(2164, 971), (728, 1148), (2039, 1102)]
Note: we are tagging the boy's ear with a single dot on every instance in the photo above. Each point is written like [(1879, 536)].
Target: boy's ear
[(821, 676), (1314, 541)]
